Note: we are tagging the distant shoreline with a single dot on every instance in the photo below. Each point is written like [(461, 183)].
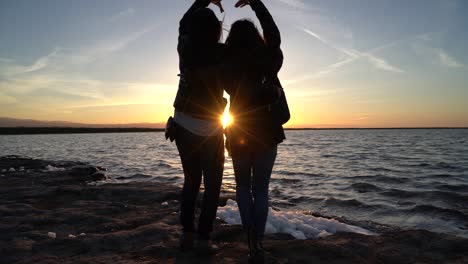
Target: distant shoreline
[(71, 130), (89, 130)]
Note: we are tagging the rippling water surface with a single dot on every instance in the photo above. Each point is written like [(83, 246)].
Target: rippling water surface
[(405, 178)]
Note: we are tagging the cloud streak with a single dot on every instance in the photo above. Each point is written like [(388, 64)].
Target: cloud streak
[(352, 56), (122, 14)]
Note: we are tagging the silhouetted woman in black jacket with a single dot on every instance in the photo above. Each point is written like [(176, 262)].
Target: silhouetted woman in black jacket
[(254, 135), (198, 106)]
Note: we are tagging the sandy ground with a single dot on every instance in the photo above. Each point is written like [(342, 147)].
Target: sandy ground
[(130, 223)]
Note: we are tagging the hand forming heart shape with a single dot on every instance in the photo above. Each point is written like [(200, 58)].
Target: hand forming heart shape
[(240, 3)]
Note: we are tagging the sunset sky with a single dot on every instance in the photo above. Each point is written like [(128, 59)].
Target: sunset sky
[(362, 63)]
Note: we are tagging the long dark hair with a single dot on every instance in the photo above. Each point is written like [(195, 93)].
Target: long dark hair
[(244, 35), (205, 28)]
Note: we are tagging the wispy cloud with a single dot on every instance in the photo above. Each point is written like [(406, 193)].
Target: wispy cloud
[(8, 67), (362, 117), (300, 4), (122, 14), (446, 60), (104, 48), (40, 63), (428, 45)]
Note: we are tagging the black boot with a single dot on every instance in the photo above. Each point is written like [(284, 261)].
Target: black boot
[(256, 253), (186, 241)]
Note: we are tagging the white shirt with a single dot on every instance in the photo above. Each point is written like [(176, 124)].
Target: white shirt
[(199, 127)]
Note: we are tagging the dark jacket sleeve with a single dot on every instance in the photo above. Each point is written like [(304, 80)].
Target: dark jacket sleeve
[(270, 30), (185, 21), (271, 33)]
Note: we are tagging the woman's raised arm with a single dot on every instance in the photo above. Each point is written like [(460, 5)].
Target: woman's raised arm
[(270, 30), (184, 22)]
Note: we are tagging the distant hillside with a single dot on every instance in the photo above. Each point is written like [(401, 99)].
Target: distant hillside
[(13, 122)]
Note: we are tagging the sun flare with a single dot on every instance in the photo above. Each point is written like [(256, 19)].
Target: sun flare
[(226, 119)]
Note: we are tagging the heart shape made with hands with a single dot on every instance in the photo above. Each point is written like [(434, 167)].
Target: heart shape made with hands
[(240, 3)]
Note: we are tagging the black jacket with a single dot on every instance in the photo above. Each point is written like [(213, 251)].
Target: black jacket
[(254, 128), (200, 93)]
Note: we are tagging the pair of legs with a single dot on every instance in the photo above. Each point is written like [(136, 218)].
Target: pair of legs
[(201, 157), (253, 171)]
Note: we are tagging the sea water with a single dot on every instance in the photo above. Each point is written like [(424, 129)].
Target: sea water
[(407, 178)]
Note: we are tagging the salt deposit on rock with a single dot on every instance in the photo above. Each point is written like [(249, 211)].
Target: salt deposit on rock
[(83, 234), (165, 204), (52, 235), (71, 236), (21, 168), (12, 170), (297, 224), (52, 168)]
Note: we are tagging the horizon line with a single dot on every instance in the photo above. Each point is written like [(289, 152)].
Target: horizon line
[(5, 131)]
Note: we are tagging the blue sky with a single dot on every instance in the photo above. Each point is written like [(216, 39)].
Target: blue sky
[(347, 63)]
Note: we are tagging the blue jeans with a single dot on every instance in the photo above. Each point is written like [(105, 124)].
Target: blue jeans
[(253, 172)]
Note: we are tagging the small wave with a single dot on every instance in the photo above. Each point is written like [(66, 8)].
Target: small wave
[(286, 180), (303, 199), (449, 197), (293, 173), (170, 179), (442, 176), (343, 203), (437, 166), (381, 169), (399, 193), (382, 178), (434, 211), (276, 191), (456, 188), (363, 187), (137, 176)]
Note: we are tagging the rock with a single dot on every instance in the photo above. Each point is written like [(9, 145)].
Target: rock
[(52, 235), (83, 234), (98, 176), (101, 168), (12, 170), (71, 236), (53, 168), (84, 169), (165, 204)]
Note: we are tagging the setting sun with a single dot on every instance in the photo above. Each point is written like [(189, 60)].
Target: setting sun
[(226, 119)]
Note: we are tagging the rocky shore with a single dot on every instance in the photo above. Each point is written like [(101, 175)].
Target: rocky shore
[(51, 212)]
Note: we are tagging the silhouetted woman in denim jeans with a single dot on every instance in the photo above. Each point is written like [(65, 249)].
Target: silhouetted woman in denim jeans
[(253, 137)]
